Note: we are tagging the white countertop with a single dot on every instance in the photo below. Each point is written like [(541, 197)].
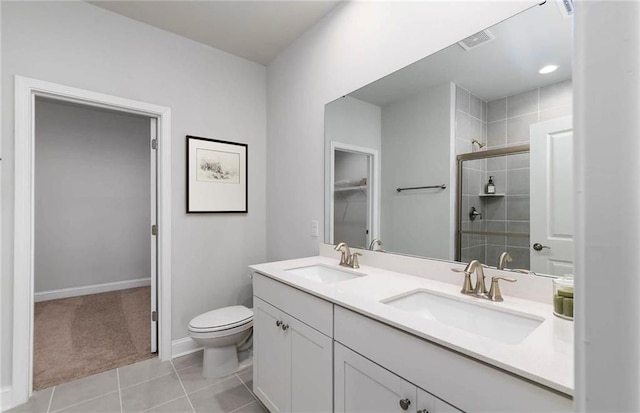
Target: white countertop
[(545, 356)]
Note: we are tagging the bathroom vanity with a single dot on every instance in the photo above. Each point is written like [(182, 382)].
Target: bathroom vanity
[(328, 338)]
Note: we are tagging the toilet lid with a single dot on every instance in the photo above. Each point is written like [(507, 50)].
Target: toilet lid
[(222, 318)]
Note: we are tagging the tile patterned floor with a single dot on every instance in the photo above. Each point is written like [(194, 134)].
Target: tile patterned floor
[(175, 386)]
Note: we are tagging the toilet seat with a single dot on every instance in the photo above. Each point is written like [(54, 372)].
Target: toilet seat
[(219, 334), (222, 320)]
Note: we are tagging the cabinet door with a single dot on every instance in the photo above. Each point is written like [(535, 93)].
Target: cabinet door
[(363, 386), (311, 369), (272, 357), (428, 403)]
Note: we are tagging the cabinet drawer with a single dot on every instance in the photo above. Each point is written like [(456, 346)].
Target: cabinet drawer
[(458, 379), (311, 310)]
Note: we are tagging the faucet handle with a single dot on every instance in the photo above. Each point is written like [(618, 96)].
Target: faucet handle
[(354, 260), (500, 277), (494, 293), (522, 271), (466, 286)]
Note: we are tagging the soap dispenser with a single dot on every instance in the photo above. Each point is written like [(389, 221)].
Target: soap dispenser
[(490, 188)]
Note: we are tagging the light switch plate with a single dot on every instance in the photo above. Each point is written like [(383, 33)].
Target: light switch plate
[(314, 228)]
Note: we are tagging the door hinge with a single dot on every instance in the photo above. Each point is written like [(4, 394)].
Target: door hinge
[(154, 316), (154, 144), (154, 230)]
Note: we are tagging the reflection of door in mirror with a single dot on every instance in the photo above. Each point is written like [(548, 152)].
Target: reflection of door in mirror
[(508, 221), (352, 197), (551, 197)]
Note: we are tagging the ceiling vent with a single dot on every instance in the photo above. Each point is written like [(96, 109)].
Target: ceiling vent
[(476, 40)]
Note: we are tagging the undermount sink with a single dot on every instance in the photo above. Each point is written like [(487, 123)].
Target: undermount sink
[(324, 274), (502, 326)]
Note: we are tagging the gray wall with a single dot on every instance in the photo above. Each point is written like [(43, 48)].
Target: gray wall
[(211, 93), (416, 149), (92, 196)]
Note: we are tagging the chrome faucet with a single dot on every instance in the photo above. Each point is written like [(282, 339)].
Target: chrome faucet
[(347, 259), (373, 244), (504, 259)]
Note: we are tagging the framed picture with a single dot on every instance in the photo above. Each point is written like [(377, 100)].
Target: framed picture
[(216, 176)]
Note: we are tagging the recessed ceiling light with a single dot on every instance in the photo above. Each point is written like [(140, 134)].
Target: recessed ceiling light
[(548, 69)]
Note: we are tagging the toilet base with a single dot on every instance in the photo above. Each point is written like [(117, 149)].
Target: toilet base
[(219, 361)]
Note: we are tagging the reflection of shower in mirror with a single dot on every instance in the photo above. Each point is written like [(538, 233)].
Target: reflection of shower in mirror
[(477, 142)]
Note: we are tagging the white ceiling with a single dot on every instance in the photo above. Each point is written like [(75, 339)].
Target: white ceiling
[(503, 67), (257, 30)]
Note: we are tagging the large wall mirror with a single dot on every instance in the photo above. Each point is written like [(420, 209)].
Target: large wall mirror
[(465, 154)]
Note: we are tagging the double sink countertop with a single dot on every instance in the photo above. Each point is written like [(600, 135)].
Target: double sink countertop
[(544, 356)]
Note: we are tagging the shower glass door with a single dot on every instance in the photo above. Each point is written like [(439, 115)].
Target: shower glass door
[(489, 224)]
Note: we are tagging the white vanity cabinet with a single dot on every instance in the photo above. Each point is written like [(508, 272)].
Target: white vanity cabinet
[(463, 382), (363, 386), (311, 355), (292, 369)]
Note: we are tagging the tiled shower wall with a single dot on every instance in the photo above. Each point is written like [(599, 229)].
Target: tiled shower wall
[(502, 122), (508, 122), (471, 123)]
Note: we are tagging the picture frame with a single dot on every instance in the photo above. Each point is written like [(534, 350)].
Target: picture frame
[(217, 176)]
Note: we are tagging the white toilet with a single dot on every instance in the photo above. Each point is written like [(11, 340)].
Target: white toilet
[(222, 332)]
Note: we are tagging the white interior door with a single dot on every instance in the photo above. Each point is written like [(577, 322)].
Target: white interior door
[(552, 197), (154, 238)]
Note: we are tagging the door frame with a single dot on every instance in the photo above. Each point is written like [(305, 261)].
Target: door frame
[(373, 221), (26, 91)]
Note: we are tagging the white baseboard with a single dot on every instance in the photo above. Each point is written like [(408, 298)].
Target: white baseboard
[(6, 398), (91, 289), (183, 346)]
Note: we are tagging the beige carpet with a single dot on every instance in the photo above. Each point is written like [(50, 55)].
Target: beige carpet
[(80, 336)]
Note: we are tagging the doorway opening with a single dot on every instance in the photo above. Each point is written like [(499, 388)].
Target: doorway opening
[(353, 205), (94, 251), (28, 92)]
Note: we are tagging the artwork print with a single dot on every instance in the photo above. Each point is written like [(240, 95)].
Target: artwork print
[(217, 166), (217, 175)]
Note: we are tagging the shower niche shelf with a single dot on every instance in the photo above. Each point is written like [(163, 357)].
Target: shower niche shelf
[(490, 195)]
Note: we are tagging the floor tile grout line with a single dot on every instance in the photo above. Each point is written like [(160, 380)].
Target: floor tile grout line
[(162, 404), (84, 401), (246, 387), (243, 406), (187, 367), (119, 390), (227, 378), (51, 399), (182, 385), (148, 380)]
